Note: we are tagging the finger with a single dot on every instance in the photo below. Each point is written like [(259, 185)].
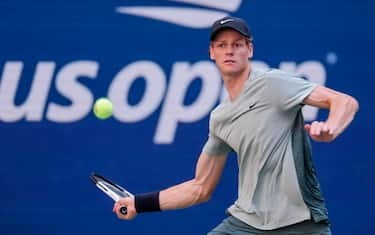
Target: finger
[(328, 130), (320, 128), (114, 207), (307, 127), (314, 130), (123, 202), (118, 213), (122, 216), (331, 131)]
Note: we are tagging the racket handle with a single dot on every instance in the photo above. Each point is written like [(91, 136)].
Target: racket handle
[(123, 210)]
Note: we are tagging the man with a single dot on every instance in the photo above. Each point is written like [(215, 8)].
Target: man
[(278, 192)]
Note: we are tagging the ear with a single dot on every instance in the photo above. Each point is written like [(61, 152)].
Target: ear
[(250, 47), (211, 53)]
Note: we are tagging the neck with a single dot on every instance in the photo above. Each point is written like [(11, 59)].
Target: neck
[(235, 83)]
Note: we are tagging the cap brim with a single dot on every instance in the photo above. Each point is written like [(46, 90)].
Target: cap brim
[(218, 30)]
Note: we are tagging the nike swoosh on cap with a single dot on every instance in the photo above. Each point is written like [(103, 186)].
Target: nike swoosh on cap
[(226, 21)]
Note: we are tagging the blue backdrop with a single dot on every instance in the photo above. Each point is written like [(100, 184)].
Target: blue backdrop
[(150, 58)]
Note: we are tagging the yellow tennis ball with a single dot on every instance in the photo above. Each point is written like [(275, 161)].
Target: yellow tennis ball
[(103, 108)]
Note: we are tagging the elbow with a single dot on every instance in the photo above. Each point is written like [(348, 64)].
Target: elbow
[(352, 103), (203, 194), (355, 104), (205, 197)]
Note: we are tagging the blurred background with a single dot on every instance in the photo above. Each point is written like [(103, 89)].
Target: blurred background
[(150, 58)]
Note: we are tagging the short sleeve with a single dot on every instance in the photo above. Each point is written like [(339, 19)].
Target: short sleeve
[(215, 146), (288, 91)]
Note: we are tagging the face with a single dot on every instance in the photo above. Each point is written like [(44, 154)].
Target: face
[(231, 52)]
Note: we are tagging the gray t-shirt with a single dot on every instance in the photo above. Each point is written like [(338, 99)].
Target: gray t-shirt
[(258, 127)]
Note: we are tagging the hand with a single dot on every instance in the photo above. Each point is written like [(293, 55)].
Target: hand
[(129, 203), (321, 131)]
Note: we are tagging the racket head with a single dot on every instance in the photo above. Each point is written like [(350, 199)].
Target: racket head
[(113, 190), (110, 188)]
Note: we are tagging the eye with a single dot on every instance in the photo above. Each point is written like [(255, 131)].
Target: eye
[(238, 44)]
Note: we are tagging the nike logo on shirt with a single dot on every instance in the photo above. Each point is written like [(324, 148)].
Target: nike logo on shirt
[(251, 106)]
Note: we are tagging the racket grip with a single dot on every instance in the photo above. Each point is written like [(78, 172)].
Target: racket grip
[(123, 210)]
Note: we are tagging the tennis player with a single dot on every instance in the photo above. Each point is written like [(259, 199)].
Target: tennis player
[(262, 122)]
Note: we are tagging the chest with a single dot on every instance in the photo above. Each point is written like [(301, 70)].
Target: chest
[(254, 125)]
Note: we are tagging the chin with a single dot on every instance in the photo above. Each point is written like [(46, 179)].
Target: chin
[(231, 72)]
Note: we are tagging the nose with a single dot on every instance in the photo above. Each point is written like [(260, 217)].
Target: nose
[(229, 50)]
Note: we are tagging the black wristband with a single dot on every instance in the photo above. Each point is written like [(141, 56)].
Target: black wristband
[(147, 202)]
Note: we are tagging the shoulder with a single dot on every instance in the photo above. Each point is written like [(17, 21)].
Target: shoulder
[(278, 79), (277, 75), (219, 110), (271, 76), (219, 113)]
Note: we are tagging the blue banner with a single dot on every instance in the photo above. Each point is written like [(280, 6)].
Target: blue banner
[(150, 58)]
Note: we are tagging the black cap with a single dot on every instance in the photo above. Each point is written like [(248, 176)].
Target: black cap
[(230, 22)]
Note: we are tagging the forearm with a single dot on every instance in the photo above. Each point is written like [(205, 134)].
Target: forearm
[(183, 195), (342, 109), (341, 113), (197, 190)]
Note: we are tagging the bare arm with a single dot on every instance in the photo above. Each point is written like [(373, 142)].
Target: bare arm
[(199, 189), (342, 109)]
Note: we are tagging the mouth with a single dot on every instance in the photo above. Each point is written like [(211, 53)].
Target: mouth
[(229, 61)]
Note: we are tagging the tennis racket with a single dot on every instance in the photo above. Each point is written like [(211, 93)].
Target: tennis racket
[(113, 190)]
